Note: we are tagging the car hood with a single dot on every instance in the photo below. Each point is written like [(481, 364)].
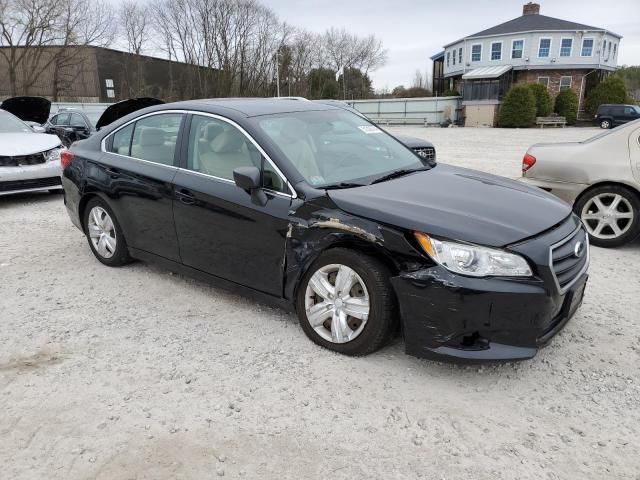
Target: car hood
[(28, 109), (413, 142), (457, 203), (15, 144), (123, 108)]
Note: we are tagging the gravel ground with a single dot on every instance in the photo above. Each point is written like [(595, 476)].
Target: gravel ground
[(138, 373)]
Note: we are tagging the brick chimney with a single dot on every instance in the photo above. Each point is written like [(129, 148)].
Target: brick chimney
[(531, 9)]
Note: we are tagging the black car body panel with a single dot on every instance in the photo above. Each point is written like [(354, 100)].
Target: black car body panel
[(28, 109), (211, 229), (457, 203), (125, 107)]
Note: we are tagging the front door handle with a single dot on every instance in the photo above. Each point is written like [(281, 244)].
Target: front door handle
[(186, 197)]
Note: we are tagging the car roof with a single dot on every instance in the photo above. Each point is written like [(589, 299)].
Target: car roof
[(251, 107)]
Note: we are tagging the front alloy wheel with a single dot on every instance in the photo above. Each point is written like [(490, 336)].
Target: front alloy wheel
[(345, 302), (337, 303), (610, 215), (605, 124)]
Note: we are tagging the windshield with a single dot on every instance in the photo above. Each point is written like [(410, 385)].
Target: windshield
[(11, 124), (336, 147)]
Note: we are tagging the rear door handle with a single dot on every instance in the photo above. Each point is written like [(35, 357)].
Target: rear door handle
[(112, 172), (186, 197)]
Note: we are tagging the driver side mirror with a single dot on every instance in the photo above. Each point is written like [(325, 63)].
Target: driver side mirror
[(249, 179)]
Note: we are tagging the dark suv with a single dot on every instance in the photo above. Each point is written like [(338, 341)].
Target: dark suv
[(69, 125), (609, 116)]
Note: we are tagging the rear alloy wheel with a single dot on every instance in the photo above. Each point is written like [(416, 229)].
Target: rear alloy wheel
[(104, 234), (605, 124), (345, 302), (610, 215)]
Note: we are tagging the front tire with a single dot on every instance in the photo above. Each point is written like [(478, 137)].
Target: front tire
[(611, 215), (606, 124), (104, 234), (345, 302)]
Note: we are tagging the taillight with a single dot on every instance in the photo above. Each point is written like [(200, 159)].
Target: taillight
[(527, 162), (66, 157)]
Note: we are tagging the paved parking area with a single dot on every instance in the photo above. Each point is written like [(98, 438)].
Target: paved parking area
[(139, 373)]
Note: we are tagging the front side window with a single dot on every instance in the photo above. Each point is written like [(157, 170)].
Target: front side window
[(517, 47), (544, 47), (155, 137), (565, 47), (61, 119), (476, 53), (78, 121), (333, 147), (565, 83), (587, 47), (496, 51), (544, 81), (217, 148)]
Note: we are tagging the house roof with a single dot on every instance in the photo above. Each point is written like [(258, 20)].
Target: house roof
[(533, 23)]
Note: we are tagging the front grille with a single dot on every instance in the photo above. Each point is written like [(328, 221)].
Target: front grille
[(15, 185), (428, 153), (567, 260), (33, 159)]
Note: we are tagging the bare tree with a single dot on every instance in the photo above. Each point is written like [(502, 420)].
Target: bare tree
[(135, 25)]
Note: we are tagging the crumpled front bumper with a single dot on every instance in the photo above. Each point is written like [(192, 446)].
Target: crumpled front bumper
[(28, 173), (455, 318)]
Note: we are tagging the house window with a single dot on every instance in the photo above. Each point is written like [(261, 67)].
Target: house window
[(496, 51), (476, 53), (609, 51), (111, 93), (565, 83), (544, 48), (615, 45), (108, 83), (604, 48), (517, 46), (460, 55), (587, 47), (448, 58), (454, 56), (544, 81), (565, 47)]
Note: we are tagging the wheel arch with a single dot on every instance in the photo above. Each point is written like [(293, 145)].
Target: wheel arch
[(82, 205), (633, 189)]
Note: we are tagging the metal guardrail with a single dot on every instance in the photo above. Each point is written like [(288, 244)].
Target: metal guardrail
[(411, 111)]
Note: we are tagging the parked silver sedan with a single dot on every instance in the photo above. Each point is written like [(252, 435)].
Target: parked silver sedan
[(600, 177), (29, 161)]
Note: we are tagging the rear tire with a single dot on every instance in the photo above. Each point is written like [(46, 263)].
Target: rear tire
[(611, 215), (104, 234), (606, 124), (355, 294)]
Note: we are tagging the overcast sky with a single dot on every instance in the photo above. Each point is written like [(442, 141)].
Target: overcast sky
[(413, 30)]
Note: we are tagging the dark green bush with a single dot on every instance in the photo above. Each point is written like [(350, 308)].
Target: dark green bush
[(450, 93), (518, 108), (567, 105), (610, 90), (543, 99)]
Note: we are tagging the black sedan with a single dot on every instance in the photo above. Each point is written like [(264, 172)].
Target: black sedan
[(315, 209)]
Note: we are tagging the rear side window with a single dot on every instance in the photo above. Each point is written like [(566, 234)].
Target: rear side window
[(77, 120), (122, 141), (155, 138)]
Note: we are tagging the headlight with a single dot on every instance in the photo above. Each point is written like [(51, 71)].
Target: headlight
[(53, 154), (473, 260)]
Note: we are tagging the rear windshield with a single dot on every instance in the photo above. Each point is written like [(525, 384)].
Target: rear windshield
[(11, 124)]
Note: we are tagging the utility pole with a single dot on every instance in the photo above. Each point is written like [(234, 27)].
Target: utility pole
[(278, 72)]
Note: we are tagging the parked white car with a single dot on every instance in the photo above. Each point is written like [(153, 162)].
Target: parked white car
[(29, 161), (600, 177)]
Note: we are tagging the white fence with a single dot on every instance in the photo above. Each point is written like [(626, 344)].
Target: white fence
[(411, 111)]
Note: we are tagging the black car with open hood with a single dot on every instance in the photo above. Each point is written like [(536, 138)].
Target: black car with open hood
[(125, 107), (316, 209)]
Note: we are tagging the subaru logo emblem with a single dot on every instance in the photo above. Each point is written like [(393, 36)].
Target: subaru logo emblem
[(578, 250)]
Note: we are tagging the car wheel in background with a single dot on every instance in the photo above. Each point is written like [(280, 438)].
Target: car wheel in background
[(104, 234), (610, 214), (605, 124), (345, 302)]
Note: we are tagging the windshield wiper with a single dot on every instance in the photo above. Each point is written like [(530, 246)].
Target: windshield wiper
[(398, 173), (336, 186)]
